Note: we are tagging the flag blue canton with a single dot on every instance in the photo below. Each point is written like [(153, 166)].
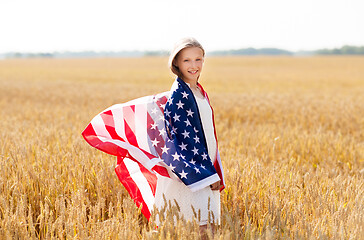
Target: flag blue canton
[(185, 150)]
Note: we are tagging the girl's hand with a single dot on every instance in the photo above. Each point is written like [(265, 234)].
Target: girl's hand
[(216, 186)]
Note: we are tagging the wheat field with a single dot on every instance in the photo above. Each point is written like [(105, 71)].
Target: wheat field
[(291, 138)]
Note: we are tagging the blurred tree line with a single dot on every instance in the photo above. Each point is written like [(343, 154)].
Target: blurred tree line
[(251, 51), (345, 50)]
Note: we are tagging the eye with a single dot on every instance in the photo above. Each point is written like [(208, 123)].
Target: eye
[(185, 60), (198, 59)]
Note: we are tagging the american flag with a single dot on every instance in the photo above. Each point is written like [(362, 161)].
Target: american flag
[(152, 135)]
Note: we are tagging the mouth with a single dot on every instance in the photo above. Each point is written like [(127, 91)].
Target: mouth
[(193, 72)]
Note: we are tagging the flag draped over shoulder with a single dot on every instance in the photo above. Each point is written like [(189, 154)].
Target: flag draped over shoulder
[(154, 134)]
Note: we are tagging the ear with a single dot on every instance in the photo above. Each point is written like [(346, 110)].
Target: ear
[(174, 63)]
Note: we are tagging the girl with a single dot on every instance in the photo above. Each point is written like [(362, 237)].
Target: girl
[(166, 144), (186, 61)]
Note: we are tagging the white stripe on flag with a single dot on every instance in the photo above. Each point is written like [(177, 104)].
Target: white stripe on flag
[(141, 127), (129, 117), (99, 127), (141, 182), (204, 182), (119, 123)]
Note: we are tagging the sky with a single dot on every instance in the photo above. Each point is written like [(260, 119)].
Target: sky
[(116, 25)]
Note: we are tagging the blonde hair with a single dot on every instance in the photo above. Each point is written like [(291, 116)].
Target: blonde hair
[(179, 46)]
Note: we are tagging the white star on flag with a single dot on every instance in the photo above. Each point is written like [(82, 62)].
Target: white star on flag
[(154, 111), (187, 123), (180, 104), (153, 126), (183, 174), (189, 113), (175, 156), (167, 113), (204, 156), (186, 134), (165, 149), (183, 146), (155, 142), (195, 151), (161, 118), (176, 117), (197, 139), (185, 95), (172, 167), (162, 132)]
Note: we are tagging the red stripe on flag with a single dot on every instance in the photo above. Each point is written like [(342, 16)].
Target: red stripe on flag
[(132, 108), (129, 133), (90, 136), (109, 122), (161, 101), (218, 170), (161, 170), (132, 188)]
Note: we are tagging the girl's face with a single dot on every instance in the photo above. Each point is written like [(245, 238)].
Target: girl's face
[(190, 61)]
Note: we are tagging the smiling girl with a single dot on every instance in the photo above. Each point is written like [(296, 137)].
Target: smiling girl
[(186, 61)]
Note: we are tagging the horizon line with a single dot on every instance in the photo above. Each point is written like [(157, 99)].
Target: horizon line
[(164, 50)]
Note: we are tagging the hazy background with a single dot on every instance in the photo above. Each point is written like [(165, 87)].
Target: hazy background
[(47, 26)]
